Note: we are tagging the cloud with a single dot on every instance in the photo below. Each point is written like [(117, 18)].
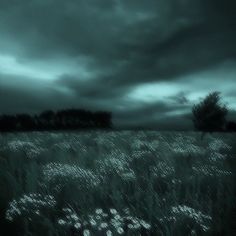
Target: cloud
[(104, 54)]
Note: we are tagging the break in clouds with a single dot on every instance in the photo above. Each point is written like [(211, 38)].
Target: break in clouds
[(146, 61)]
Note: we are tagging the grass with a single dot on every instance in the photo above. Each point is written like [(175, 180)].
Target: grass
[(117, 183)]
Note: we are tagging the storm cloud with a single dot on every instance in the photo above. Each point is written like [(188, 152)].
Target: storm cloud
[(146, 61)]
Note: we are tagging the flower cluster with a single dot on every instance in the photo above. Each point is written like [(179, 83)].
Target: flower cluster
[(110, 222), (181, 212), (29, 205), (138, 144), (186, 146), (54, 172), (209, 170), (215, 149), (71, 145), (217, 145), (162, 169), (197, 216), (29, 148), (118, 165)]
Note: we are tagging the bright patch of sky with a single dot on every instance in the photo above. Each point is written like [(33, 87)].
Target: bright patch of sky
[(154, 91), (48, 70), (194, 86)]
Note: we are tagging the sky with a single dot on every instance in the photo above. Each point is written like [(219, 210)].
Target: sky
[(146, 61)]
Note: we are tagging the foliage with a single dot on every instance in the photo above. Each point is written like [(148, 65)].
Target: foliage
[(210, 115), (231, 126)]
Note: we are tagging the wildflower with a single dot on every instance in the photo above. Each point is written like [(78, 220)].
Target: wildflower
[(117, 217), (197, 216), (77, 225), (137, 226), (9, 218), (108, 233), (67, 210), (93, 222), (86, 232), (104, 225), (134, 221), (61, 222), (120, 230), (130, 226), (29, 204), (115, 223), (74, 217), (113, 211), (99, 211), (147, 226), (87, 178)]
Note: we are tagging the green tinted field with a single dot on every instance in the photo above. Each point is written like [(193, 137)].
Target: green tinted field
[(117, 183)]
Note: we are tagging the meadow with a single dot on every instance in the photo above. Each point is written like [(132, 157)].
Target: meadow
[(117, 183)]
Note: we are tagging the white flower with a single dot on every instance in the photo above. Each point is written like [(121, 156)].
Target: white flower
[(99, 211), (120, 230), (74, 217), (147, 226), (86, 232), (9, 218), (104, 225), (93, 222), (61, 222), (104, 215), (108, 233), (137, 225), (113, 211), (130, 226), (77, 225), (67, 210), (115, 223)]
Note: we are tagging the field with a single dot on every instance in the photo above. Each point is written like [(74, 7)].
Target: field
[(117, 183)]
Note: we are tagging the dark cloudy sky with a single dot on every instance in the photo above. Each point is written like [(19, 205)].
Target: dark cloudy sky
[(147, 61)]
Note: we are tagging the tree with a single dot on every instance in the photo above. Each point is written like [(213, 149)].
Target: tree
[(210, 115), (24, 122), (231, 126)]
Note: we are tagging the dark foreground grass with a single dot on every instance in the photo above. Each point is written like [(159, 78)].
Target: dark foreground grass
[(117, 183)]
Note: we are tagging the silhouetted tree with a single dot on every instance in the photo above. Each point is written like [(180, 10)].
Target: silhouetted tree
[(24, 122), (8, 123), (103, 119), (46, 120), (231, 126), (210, 115)]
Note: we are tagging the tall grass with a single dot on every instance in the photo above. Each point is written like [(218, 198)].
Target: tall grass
[(117, 183)]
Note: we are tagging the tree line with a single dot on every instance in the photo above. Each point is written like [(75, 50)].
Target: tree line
[(70, 119), (209, 115)]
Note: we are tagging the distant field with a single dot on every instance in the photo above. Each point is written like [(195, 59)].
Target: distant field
[(117, 183)]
